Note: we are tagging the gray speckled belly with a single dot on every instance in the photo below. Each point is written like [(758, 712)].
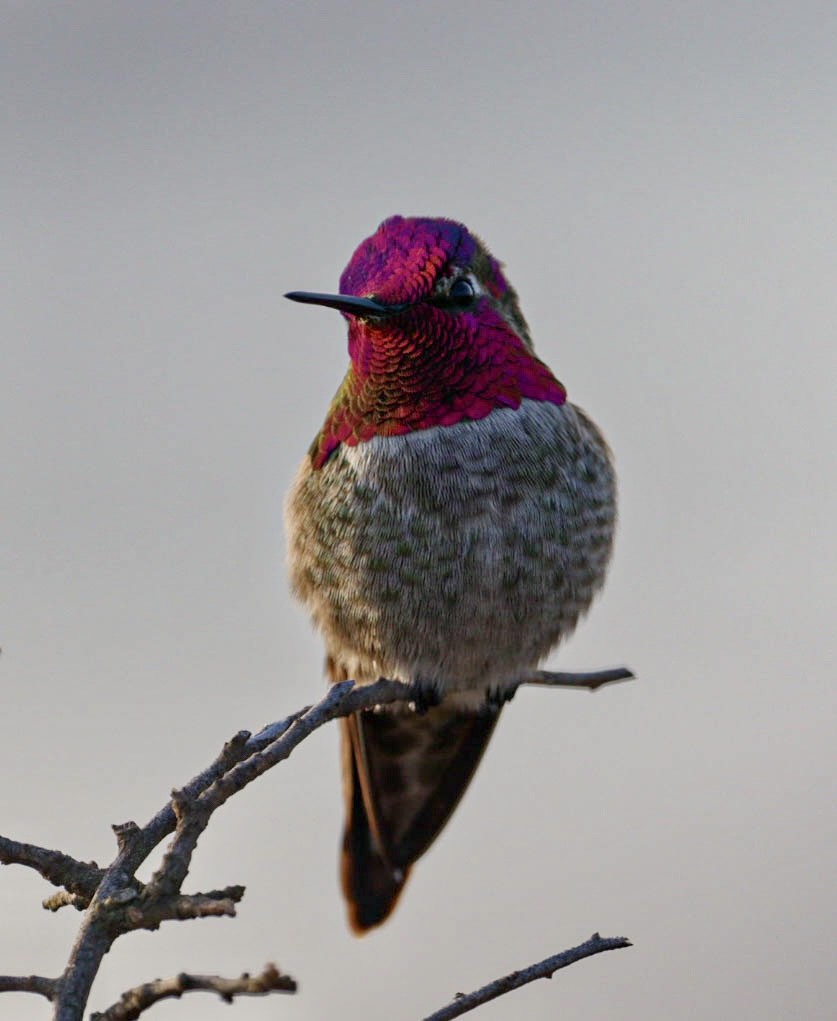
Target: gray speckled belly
[(459, 555)]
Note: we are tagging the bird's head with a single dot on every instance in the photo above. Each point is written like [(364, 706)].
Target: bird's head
[(436, 334)]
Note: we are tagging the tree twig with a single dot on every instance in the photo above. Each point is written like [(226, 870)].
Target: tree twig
[(179, 908), (188, 813), (57, 868), (592, 680), (133, 1002), (118, 901), (463, 1003), (29, 984)]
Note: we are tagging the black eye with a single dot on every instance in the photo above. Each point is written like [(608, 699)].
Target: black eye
[(461, 293)]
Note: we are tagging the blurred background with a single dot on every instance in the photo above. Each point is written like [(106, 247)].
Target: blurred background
[(659, 180)]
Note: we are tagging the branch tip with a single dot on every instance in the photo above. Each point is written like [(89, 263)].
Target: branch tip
[(125, 833), (462, 1004)]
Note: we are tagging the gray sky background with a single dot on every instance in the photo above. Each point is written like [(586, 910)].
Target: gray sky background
[(660, 181)]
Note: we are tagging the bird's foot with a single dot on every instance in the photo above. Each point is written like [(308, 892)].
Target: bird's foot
[(496, 698), (424, 695)]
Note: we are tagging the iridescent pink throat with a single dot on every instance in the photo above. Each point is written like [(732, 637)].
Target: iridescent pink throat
[(427, 368)]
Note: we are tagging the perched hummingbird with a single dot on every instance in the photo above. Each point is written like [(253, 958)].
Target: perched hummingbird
[(451, 522)]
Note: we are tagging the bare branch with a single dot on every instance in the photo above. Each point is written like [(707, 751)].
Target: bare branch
[(189, 813), (255, 757), (29, 984), (55, 866), (133, 1002), (592, 680), (217, 904), (118, 901), (544, 969)]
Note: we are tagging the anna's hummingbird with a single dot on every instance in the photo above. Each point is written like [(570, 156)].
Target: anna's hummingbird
[(451, 522)]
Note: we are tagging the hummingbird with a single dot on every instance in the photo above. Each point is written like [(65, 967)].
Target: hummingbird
[(449, 525)]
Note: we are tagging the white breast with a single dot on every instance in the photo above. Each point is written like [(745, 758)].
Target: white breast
[(457, 556)]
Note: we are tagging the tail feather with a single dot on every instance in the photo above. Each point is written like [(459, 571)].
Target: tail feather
[(371, 885), (404, 775)]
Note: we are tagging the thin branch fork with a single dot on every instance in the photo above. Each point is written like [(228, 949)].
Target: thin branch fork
[(119, 902)]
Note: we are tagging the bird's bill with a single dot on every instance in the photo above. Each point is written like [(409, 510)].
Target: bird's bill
[(362, 307)]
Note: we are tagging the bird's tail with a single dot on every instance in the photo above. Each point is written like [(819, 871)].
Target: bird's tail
[(404, 773)]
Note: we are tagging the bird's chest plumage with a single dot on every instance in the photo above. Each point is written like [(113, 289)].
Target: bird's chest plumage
[(455, 555)]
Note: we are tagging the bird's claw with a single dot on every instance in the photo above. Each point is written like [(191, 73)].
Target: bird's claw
[(424, 696)]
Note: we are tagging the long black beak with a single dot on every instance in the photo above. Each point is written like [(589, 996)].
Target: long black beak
[(362, 307)]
